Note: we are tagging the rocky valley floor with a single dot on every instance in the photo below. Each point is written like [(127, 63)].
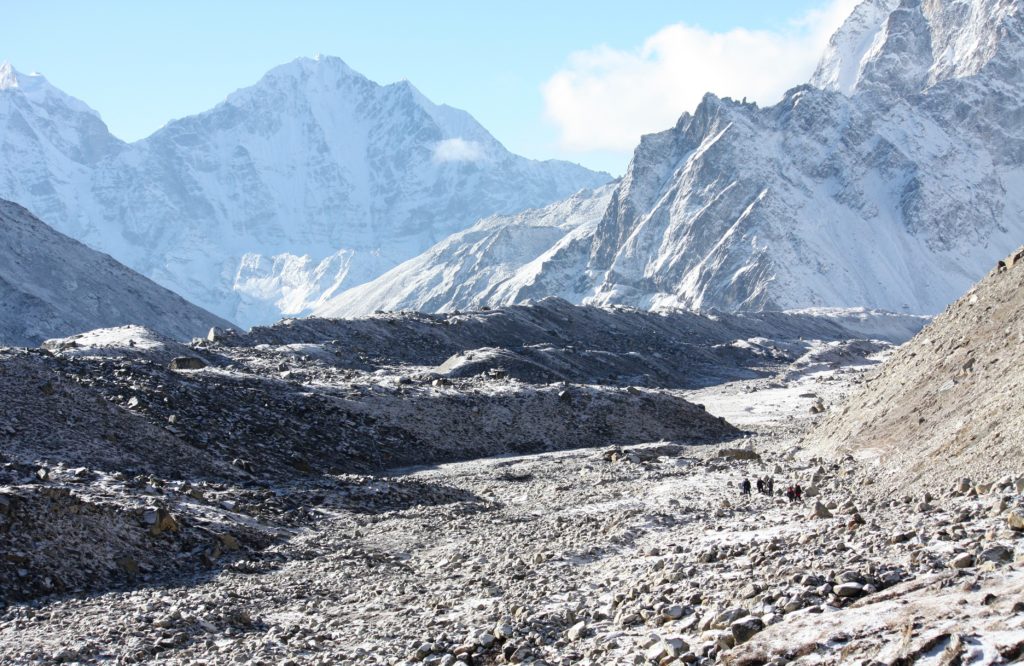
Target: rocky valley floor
[(155, 546)]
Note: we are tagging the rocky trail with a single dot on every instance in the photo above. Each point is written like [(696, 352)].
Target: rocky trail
[(641, 555), (303, 501)]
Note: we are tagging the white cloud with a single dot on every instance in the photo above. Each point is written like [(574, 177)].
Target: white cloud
[(605, 98), (458, 150)]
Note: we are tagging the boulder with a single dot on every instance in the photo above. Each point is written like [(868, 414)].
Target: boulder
[(727, 617), (997, 553), (159, 521), (744, 629), (820, 511), (847, 590), (187, 363), (738, 454)]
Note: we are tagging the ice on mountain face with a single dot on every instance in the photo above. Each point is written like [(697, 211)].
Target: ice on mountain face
[(895, 186), (498, 261), (51, 285), (313, 180), (8, 78), (839, 67)]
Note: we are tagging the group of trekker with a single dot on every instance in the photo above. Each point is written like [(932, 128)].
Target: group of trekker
[(766, 486)]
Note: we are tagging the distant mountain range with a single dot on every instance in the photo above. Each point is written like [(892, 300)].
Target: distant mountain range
[(313, 180), (53, 286), (893, 179)]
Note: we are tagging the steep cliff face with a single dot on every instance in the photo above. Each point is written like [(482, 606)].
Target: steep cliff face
[(51, 285), (892, 187), (312, 180), (892, 180)]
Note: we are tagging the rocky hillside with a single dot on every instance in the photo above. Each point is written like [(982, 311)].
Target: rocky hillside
[(553, 340), (949, 403), (310, 181), (891, 180), (51, 285), (104, 432), (232, 501)]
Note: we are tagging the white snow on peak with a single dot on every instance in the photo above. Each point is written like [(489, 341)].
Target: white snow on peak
[(896, 194), (911, 44), (36, 90), (8, 77), (312, 180), (840, 64)]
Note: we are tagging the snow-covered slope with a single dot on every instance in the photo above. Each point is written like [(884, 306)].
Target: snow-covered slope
[(312, 180), (893, 180), (501, 260), (51, 285)]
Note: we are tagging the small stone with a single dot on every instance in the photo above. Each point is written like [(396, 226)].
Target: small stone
[(128, 565), (576, 631), (673, 612), (503, 631), (962, 561), (229, 542), (739, 454)]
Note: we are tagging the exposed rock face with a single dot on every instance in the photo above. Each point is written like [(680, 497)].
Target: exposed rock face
[(891, 181), (949, 403), (312, 180), (51, 285)]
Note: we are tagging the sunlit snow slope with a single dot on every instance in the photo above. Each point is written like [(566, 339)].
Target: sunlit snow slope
[(310, 181), (893, 180)]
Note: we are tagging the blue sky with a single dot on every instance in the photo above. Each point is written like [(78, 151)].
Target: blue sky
[(531, 72)]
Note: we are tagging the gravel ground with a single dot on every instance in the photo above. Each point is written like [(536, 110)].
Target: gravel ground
[(258, 507), (638, 555)]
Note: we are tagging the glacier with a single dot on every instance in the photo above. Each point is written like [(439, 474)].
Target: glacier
[(312, 180), (892, 180)]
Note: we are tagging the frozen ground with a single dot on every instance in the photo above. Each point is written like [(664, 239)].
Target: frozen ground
[(241, 532)]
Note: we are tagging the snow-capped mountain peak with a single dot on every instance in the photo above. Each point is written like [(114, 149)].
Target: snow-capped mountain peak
[(311, 180), (8, 77), (36, 89), (893, 180)]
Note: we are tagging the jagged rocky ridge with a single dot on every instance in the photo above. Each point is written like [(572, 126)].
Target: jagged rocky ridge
[(311, 180), (892, 180), (51, 285)]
